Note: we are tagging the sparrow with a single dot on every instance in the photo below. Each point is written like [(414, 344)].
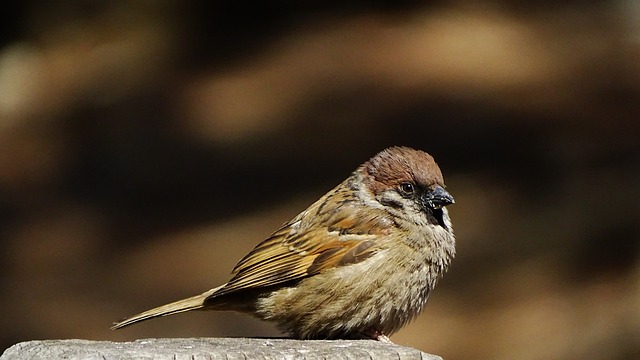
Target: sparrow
[(358, 263)]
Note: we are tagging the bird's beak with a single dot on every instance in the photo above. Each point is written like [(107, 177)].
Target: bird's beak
[(437, 198)]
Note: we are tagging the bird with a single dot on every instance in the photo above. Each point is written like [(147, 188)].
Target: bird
[(359, 263)]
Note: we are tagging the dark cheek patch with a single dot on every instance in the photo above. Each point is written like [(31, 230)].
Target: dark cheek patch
[(390, 202)]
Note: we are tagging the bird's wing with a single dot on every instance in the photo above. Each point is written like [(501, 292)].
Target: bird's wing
[(349, 235)]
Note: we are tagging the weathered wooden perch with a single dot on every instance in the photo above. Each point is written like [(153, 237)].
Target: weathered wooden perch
[(212, 349)]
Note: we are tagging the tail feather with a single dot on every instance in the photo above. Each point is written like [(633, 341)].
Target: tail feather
[(192, 303)]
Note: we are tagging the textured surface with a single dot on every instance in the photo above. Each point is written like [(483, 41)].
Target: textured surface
[(212, 348)]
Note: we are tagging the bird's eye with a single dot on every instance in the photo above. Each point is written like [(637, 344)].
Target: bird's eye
[(407, 189)]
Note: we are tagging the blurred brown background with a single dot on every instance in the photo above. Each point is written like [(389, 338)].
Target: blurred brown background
[(146, 146)]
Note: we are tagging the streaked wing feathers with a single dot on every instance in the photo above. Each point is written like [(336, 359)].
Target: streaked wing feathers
[(294, 251)]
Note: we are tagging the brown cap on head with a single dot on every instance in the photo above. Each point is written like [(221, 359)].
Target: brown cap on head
[(398, 164)]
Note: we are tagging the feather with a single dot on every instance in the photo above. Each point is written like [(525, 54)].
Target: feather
[(296, 250)]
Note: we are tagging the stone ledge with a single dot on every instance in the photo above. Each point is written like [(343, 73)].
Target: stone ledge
[(212, 349)]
